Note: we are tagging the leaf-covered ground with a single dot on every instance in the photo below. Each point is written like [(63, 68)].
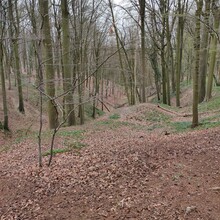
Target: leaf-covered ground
[(121, 170), (134, 163)]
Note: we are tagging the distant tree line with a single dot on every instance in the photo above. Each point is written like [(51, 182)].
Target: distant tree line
[(75, 52)]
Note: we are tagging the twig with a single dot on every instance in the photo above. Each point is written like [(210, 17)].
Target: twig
[(103, 104)]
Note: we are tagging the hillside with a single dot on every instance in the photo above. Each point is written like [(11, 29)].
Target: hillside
[(140, 162)]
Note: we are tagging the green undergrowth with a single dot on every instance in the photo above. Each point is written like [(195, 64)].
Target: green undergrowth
[(71, 133), (69, 147), (170, 108), (180, 126), (211, 121), (116, 124), (205, 123), (23, 134), (185, 126), (112, 123), (156, 119), (155, 116), (89, 111), (56, 151), (154, 126), (211, 105), (71, 140), (114, 116), (17, 137)]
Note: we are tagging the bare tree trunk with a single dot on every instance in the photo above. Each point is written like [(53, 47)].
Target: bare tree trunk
[(15, 43), (204, 53), (69, 106), (48, 62), (169, 57), (162, 50), (4, 94), (180, 29), (143, 61), (213, 48), (96, 81), (195, 119), (157, 75)]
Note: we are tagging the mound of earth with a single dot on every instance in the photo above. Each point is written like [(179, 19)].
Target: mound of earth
[(121, 174)]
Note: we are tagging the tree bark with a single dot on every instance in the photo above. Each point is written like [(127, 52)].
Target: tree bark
[(15, 43), (48, 62), (142, 4), (180, 28), (204, 53), (213, 49), (195, 119), (162, 53), (67, 81), (4, 94)]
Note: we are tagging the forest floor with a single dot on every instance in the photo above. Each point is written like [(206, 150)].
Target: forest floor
[(141, 162)]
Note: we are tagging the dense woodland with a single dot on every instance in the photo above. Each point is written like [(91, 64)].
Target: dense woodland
[(77, 52), (109, 109)]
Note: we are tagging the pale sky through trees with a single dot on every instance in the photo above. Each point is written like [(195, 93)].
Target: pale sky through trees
[(118, 1)]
